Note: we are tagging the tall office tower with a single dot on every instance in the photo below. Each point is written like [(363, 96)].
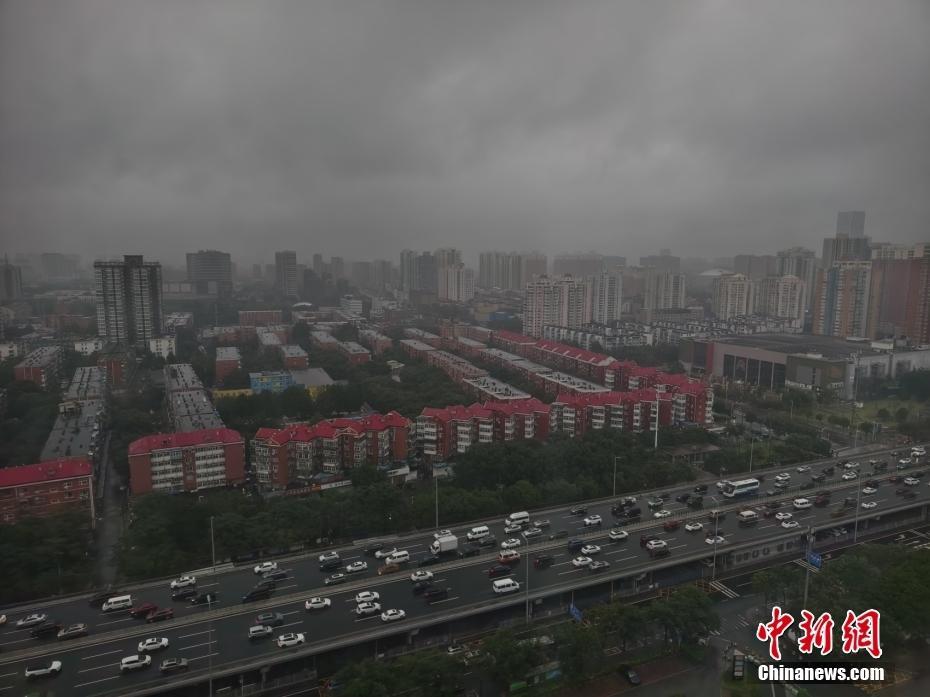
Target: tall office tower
[(11, 282), (501, 270), (285, 273), (802, 263), (664, 290), (850, 242), (447, 257), (900, 299), (780, 296), (577, 265), (607, 297), (663, 262), (732, 296), (211, 272), (456, 283), (318, 265), (129, 300), (755, 266), (488, 273), (533, 266), (842, 299), (561, 302)]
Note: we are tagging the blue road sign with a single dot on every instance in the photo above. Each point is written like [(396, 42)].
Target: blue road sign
[(815, 560), (575, 613)]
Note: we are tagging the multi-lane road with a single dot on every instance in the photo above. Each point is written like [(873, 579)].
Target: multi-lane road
[(217, 636)]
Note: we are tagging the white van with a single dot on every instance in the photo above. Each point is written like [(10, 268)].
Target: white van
[(401, 556), (518, 518), (748, 517), (508, 556), (119, 602), (478, 533), (505, 585)]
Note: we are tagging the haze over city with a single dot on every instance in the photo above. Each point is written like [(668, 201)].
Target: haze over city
[(361, 128)]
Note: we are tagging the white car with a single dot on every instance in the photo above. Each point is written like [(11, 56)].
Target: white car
[(152, 644), (382, 553), (328, 556), (616, 534), (694, 526), (265, 567), (803, 468), (628, 500), (2, 620), (317, 604), (43, 670), (653, 545), (790, 524), (285, 641), (783, 515), (590, 550), (849, 476), (782, 477), (714, 540), (579, 562), (441, 533), (421, 576), (592, 520), (509, 529), (134, 663), (801, 504), (356, 566), (368, 609), (662, 514), (903, 462), (183, 582), (512, 543), (367, 597), (908, 481), (869, 504), (869, 490), (392, 615), (260, 631), (723, 484), (32, 620)]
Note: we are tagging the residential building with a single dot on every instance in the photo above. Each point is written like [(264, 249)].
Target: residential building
[(899, 298), (578, 414), (313, 380), (732, 296), (46, 489), (78, 428), (663, 262), (259, 318), (163, 346), (426, 337), (41, 366), (841, 304), (524, 419), (228, 361), (664, 290), (192, 461), (295, 358), (178, 320), (443, 433), (801, 263), (211, 272), (456, 283), (11, 349), (415, 348), (888, 251), (270, 381), (755, 267), (850, 242), (533, 266), (352, 305), (458, 369), (607, 296), (354, 352), (11, 282), (285, 273), (784, 297), (129, 300), (324, 340), (119, 363), (88, 347), (565, 302), (491, 389), (376, 342)]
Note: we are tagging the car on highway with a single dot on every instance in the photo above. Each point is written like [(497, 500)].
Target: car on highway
[(783, 515), (903, 464), (184, 593), (790, 524), (618, 535), (421, 576), (653, 545), (655, 503), (272, 619), (869, 490), (257, 594), (869, 504), (515, 527), (530, 533), (131, 663), (700, 489), (829, 471), (512, 543), (204, 598), (499, 570), (142, 610), (260, 631), (276, 575), (373, 547), (431, 560), (782, 477), (488, 541), (73, 631), (265, 567), (683, 498), (328, 556), (818, 478), (286, 641), (542, 523), (802, 504), (356, 567), (441, 533), (590, 550), (662, 514), (152, 644), (671, 525), (368, 609), (173, 665), (578, 510), (367, 597), (592, 520), (455, 649), (582, 561), (911, 481), (160, 615), (388, 569), (803, 468), (317, 603), (46, 631), (330, 565), (543, 561), (384, 552), (849, 476), (470, 550), (434, 595), (43, 670), (336, 579), (393, 615), (714, 539), (599, 566), (693, 526), (32, 620), (183, 582)]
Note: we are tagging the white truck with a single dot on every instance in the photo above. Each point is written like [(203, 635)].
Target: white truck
[(444, 545)]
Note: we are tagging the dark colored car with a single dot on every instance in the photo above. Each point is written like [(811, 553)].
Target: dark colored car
[(470, 551), (433, 595), (644, 539), (499, 570), (48, 630), (204, 598), (420, 587), (818, 478), (544, 561), (700, 489), (670, 525), (631, 675), (829, 470), (576, 545), (579, 510), (165, 613), (257, 594), (683, 498), (373, 547), (431, 560), (661, 552), (98, 599), (143, 610), (173, 665), (184, 593), (489, 541), (72, 632), (872, 483), (276, 575), (696, 502), (634, 512), (335, 579), (559, 534), (271, 619), (330, 564)]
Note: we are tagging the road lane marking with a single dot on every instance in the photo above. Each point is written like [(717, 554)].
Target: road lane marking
[(7, 675), (100, 655), (572, 571), (199, 658), (370, 617), (105, 665), (187, 636), (125, 619), (447, 600), (94, 682), (194, 646)]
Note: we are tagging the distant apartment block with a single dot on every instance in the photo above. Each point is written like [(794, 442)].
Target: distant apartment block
[(189, 406), (415, 348), (352, 305), (294, 357), (492, 390), (426, 337), (377, 343), (178, 320), (259, 318), (324, 340), (210, 271), (269, 340), (354, 352), (163, 346), (191, 461), (78, 428), (733, 296), (129, 300), (285, 273), (46, 489), (562, 301), (313, 380), (456, 368), (41, 366), (302, 453), (270, 381), (88, 347), (445, 432), (228, 361), (230, 335)]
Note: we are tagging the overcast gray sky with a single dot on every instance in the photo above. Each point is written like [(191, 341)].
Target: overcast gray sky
[(360, 128)]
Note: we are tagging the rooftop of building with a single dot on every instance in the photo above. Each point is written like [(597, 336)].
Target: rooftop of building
[(312, 377), (167, 441), (519, 406), (87, 383), (269, 375), (331, 428), (267, 338), (471, 343), (323, 337), (54, 470), (419, 333), (40, 357), (578, 354), (417, 345), (575, 383), (497, 388), (293, 351), (228, 353), (75, 431), (457, 412), (826, 346), (514, 337)]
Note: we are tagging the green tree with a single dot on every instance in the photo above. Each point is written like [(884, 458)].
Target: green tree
[(580, 649), (510, 659), (902, 414)]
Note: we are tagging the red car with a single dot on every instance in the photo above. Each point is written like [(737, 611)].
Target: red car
[(672, 525), (143, 610), (166, 613)]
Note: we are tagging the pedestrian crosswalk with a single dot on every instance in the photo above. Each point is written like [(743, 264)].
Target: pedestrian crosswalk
[(726, 590)]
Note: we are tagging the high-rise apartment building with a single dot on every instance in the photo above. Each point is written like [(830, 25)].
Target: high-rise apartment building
[(754, 266), (419, 271), (129, 300), (664, 290), (11, 282), (211, 272), (607, 297), (802, 263), (841, 302), (887, 250), (850, 242), (733, 296), (456, 283), (532, 267), (509, 270), (783, 297), (562, 302), (285, 272), (850, 223), (900, 299)]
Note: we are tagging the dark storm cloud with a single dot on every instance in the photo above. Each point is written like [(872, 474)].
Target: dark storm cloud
[(359, 128)]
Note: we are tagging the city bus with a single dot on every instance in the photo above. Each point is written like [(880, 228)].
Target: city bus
[(742, 487)]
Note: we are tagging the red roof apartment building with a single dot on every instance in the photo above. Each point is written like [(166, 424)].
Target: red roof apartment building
[(378, 343), (259, 318), (228, 361), (173, 462), (527, 419), (299, 452), (294, 357), (576, 414), (46, 489), (40, 366), (442, 433)]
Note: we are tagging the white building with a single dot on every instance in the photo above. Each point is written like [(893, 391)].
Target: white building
[(562, 302), (732, 296), (665, 290), (784, 297), (163, 346), (86, 347), (456, 283), (607, 296)]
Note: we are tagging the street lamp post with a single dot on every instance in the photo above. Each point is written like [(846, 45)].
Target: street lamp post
[(713, 576), (752, 444), (436, 481), (212, 545), (858, 506), (807, 567), (527, 565), (615, 474), (656, 447)]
